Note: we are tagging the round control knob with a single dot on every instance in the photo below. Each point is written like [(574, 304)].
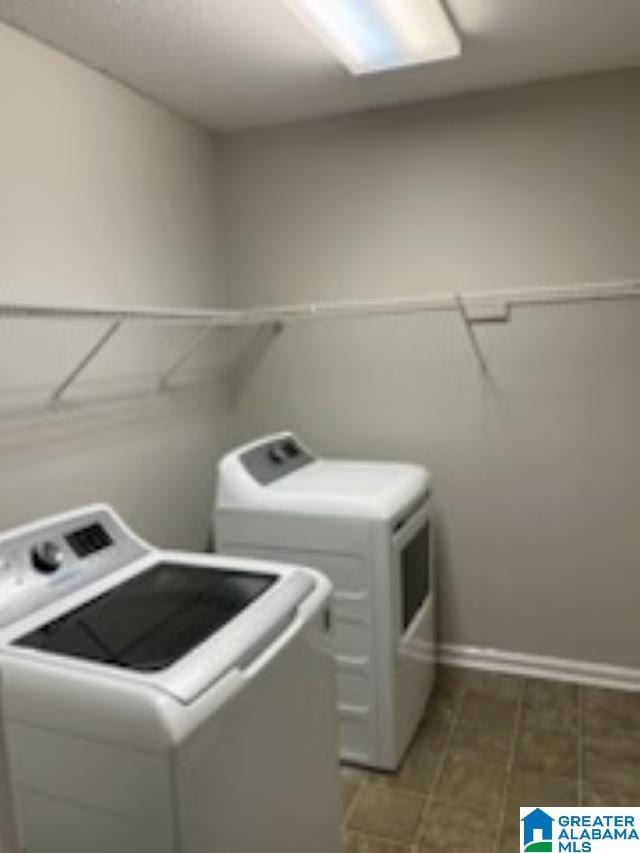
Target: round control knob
[(47, 558), (276, 455)]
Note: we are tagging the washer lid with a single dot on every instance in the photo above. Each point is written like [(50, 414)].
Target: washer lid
[(177, 626), (152, 620)]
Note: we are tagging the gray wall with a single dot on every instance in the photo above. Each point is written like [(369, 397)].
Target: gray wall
[(105, 198), (536, 471)]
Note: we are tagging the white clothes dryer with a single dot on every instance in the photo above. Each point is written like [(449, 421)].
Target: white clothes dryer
[(162, 702), (368, 527)]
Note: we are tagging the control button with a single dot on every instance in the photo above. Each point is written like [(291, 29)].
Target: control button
[(276, 455), (47, 557), (291, 448)]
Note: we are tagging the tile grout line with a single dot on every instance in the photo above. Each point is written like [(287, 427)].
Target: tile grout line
[(384, 839), (352, 805), (446, 747), (511, 760), (361, 785), (580, 746)]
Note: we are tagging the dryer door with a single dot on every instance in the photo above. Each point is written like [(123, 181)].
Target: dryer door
[(413, 592), (413, 561)]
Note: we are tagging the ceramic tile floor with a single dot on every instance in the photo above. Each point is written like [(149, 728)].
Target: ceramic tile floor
[(488, 744)]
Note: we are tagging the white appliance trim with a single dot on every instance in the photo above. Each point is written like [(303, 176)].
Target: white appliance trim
[(538, 666)]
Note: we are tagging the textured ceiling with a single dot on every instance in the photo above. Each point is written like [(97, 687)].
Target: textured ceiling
[(239, 63)]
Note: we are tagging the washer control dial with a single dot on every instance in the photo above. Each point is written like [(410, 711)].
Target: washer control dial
[(276, 455), (47, 557)]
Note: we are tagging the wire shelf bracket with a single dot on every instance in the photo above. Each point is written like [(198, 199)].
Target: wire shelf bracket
[(471, 336), (86, 360), (473, 307)]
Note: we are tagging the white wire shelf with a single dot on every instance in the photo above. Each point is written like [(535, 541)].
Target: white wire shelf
[(481, 306), (160, 316), (473, 307)]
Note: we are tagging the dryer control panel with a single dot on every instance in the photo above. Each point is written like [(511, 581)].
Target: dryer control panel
[(41, 562), (275, 459)]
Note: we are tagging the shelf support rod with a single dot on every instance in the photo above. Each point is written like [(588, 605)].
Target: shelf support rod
[(102, 341), (471, 335), (185, 356)]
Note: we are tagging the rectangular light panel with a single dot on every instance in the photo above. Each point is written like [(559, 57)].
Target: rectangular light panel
[(370, 36)]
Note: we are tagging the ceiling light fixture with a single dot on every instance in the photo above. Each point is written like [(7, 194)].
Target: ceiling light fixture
[(370, 36)]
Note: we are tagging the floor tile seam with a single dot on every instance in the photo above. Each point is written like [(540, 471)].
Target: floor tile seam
[(391, 839), (403, 792), (511, 760), (580, 746), (384, 839), (423, 807), (352, 804), (400, 788), (446, 749)]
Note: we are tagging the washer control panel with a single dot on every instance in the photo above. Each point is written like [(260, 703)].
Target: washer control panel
[(44, 561), (275, 459)]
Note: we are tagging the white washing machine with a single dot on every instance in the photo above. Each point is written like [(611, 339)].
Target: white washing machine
[(367, 526), (161, 702)]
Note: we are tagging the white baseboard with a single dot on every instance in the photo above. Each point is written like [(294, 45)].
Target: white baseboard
[(535, 666)]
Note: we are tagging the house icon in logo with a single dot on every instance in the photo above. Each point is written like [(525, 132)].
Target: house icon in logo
[(538, 832)]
